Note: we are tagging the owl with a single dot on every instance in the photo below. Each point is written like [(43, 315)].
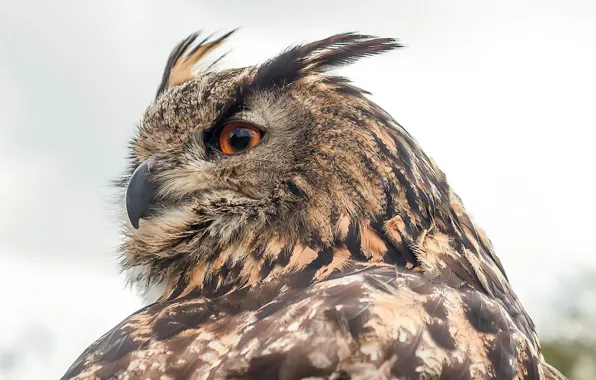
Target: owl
[(294, 230)]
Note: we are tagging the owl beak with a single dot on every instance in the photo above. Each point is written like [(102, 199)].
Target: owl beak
[(140, 192)]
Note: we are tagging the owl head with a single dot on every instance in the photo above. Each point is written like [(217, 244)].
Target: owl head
[(242, 174)]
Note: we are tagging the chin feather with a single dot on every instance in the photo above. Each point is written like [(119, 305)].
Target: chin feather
[(149, 293)]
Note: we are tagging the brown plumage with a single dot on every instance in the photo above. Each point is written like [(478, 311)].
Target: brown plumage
[(333, 248)]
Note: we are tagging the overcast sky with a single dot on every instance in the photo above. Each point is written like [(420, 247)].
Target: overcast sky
[(500, 93)]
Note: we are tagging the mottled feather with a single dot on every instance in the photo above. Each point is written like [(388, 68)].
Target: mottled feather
[(334, 249)]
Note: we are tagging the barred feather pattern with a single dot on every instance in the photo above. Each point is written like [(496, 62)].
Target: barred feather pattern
[(336, 249)]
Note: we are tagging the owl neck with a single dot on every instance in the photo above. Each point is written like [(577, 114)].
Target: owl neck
[(447, 249)]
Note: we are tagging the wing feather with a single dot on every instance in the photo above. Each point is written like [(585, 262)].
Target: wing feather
[(376, 322)]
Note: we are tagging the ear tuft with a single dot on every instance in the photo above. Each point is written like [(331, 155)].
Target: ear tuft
[(321, 56), (344, 49), (183, 58)]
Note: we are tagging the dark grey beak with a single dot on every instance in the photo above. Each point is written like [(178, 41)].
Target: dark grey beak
[(140, 192)]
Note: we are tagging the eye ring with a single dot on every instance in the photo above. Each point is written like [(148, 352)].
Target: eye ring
[(236, 137)]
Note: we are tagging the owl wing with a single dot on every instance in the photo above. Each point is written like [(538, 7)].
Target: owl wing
[(376, 322)]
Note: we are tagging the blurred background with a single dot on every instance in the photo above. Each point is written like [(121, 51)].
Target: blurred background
[(500, 93)]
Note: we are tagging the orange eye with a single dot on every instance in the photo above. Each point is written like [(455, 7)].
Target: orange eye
[(236, 137)]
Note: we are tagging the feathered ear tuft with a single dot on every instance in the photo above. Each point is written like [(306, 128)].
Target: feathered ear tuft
[(344, 49), (321, 56), (183, 58)]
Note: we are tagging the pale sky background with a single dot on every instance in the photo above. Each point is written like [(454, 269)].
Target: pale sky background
[(500, 93)]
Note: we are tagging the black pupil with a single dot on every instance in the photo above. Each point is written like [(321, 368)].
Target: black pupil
[(240, 138)]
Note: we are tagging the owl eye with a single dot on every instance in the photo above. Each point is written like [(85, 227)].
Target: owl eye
[(236, 137)]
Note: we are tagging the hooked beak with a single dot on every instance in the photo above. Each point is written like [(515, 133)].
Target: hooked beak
[(140, 192)]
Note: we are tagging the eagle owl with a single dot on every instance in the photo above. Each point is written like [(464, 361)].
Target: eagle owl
[(296, 231)]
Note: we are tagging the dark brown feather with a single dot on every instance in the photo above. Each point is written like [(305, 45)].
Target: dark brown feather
[(333, 249)]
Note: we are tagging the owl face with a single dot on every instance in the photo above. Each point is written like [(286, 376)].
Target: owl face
[(246, 164), (201, 147), (283, 154)]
